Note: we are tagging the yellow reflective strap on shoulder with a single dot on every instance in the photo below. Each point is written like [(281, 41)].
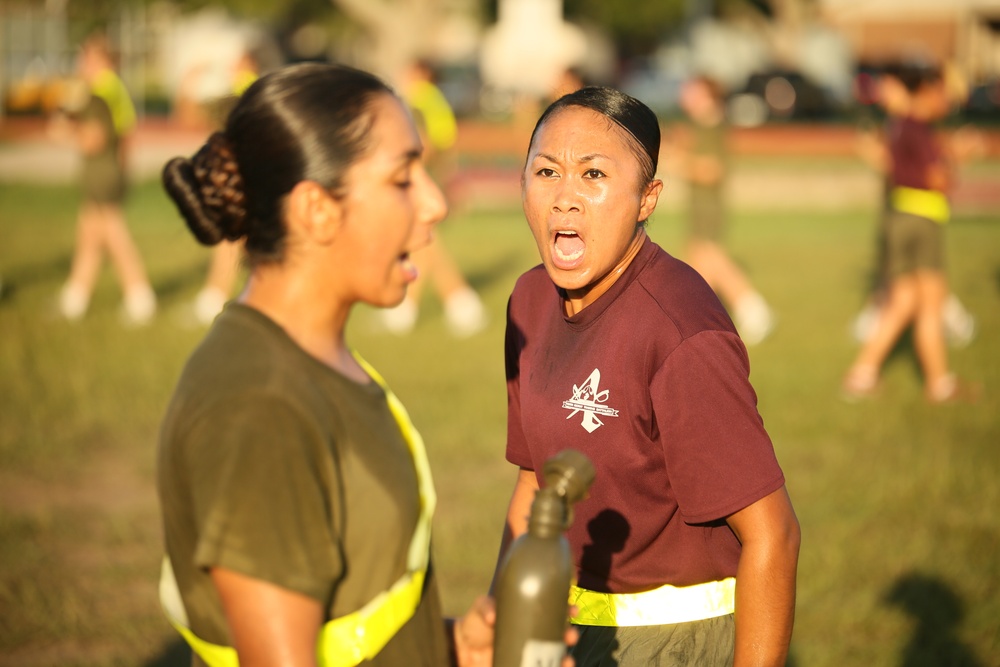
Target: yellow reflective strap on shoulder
[(243, 80), (213, 655), (110, 88), (925, 203), (343, 642), (439, 119), (348, 640), (660, 606), (420, 545)]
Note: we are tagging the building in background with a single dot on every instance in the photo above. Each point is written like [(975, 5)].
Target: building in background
[(965, 33)]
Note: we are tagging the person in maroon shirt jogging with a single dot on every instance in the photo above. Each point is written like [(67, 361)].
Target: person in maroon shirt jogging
[(687, 546), (919, 181)]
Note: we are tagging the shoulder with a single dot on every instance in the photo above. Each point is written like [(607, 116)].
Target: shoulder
[(244, 353), (675, 292)]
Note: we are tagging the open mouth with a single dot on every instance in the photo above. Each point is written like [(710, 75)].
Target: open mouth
[(409, 268), (568, 247)]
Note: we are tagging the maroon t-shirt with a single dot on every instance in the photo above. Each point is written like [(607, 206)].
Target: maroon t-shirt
[(651, 382), (914, 148)]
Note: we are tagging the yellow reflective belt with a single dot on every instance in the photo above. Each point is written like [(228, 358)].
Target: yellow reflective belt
[(359, 636), (660, 606), (929, 204)]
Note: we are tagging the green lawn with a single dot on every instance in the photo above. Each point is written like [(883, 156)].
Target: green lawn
[(898, 501)]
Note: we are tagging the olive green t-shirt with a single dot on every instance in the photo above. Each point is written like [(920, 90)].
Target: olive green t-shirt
[(273, 465)]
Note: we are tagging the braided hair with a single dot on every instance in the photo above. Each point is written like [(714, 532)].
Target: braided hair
[(304, 122)]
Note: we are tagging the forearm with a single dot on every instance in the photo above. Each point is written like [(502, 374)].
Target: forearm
[(517, 514), (765, 601)]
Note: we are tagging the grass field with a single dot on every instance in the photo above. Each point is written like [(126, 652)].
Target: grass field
[(898, 501)]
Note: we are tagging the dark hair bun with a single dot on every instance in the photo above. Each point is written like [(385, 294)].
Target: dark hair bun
[(208, 191)]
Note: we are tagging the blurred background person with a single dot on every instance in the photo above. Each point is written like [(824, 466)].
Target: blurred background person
[(101, 116), (224, 265), (570, 81), (893, 98), (463, 309), (920, 178), (703, 164)]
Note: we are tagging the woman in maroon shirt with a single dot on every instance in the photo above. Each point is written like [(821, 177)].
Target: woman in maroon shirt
[(625, 353)]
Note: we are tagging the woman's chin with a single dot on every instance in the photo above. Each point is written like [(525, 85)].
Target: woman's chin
[(571, 281)]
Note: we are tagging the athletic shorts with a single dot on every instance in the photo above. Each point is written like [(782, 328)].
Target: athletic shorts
[(707, 214), (708, 643), (103, 181), (912, 243)]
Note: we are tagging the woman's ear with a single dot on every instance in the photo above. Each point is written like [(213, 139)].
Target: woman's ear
[(649, 199), (314, 211)]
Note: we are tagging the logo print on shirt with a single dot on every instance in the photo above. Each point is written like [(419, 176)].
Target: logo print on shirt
[(588, 399)]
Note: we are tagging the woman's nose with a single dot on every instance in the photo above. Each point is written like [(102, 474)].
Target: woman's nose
[(433, 205), (565, 198)]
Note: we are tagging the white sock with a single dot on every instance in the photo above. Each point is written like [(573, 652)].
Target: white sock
[(209, 303), (464, 312), (942, 388), (73, 302), (139, 305), (400, 319), (754, 319), (959, 324)]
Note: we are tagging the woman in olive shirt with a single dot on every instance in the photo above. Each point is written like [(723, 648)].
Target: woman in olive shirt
[(296, 497)]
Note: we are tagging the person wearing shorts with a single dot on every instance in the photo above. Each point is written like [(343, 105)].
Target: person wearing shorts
[(103, 116), (919, 180), (704, 166)]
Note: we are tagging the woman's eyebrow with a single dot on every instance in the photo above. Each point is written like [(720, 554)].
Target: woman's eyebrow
[(404, 160), (589, 157), (410, 155)]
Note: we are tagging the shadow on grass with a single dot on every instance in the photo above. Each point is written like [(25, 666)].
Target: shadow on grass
[(183, 279), (55, 268), (174, 654), (937, 611), (169, 287), (905, 352)]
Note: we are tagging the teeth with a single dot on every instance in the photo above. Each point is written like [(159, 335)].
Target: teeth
[(571, 257), (568, 246)]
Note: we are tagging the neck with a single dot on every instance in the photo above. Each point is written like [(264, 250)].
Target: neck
[(577, 300), (315, 321)]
